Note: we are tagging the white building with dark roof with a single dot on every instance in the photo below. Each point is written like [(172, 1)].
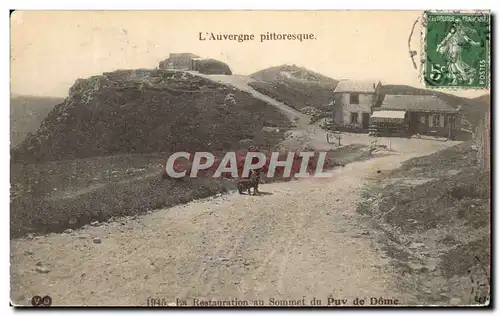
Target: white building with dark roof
[(353, 102)]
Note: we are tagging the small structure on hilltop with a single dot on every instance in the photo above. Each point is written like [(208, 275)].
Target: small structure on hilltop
[(415, 114), (353, 102), (180, 61), (212, 67), (192, 62)]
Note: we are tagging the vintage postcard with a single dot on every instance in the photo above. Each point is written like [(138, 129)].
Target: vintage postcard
[(250, 158)]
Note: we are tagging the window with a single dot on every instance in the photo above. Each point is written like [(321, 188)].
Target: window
[(432, 121), (436, 121), (354, 118), (423, 119), (451, 121), (354, 98)]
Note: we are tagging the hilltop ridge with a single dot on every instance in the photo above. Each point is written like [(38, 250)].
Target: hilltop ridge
[(144, 111), (291, 72)]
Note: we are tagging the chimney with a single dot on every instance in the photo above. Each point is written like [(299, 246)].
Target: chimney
[(374, 85)]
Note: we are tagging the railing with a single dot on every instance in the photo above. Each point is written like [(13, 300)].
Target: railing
[(334, 138)]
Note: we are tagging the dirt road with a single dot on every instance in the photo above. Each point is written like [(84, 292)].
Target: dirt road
[(241, 82), (299, 239)]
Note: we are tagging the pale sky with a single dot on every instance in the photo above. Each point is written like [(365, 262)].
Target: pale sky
[(51, 49)]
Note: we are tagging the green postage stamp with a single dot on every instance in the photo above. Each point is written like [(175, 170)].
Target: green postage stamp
[(456, 50)]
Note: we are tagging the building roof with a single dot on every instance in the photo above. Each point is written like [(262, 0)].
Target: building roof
[(388, 116), (416, 103), (188, 55), (357, 86)]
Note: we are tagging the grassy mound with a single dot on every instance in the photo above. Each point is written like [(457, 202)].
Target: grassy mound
[(291, 71), (145, 111), (213, 67), (295, 86), (297, 94)]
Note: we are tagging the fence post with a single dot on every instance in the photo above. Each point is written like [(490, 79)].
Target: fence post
[(482, 140)]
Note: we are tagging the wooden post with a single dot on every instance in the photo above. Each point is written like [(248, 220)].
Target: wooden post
[(333, 110), (449, 127)]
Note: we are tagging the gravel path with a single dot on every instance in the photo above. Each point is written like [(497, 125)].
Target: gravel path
[(241, 82), (301, 239)]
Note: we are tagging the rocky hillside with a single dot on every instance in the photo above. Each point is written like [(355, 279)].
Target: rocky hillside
[(144, 111), (295, 86), (26, 114)]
